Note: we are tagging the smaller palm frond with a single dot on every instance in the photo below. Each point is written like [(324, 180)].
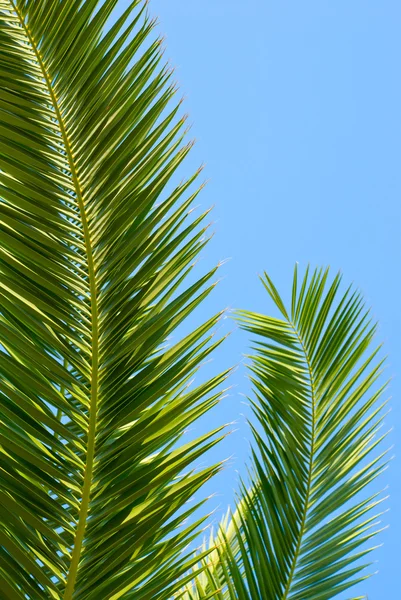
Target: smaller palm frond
[(305, 522)]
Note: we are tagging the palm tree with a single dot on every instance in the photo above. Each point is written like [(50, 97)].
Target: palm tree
[(96, 242), (303, 520)]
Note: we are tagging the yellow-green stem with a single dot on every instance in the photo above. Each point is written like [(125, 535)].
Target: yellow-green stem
[(309, 481), (84, 506)]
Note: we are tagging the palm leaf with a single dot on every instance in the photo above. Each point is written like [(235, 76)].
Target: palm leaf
[(96, 241), (304, 526)]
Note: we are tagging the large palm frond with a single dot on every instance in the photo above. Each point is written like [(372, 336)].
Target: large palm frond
[(305, 522), (95, 244)]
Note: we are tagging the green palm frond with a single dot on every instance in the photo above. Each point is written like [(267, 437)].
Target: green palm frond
[(304, 526), (95, 244)]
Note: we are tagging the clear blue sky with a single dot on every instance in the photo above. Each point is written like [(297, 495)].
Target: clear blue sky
[(296, 106)]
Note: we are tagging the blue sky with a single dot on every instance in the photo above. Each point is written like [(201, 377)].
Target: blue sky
[(296, 109)]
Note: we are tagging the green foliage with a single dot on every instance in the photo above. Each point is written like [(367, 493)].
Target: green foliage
[(95, 247), (303, 524), (96, 244)]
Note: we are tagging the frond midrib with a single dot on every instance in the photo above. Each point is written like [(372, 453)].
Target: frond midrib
[(84, 506), (301, 532)]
